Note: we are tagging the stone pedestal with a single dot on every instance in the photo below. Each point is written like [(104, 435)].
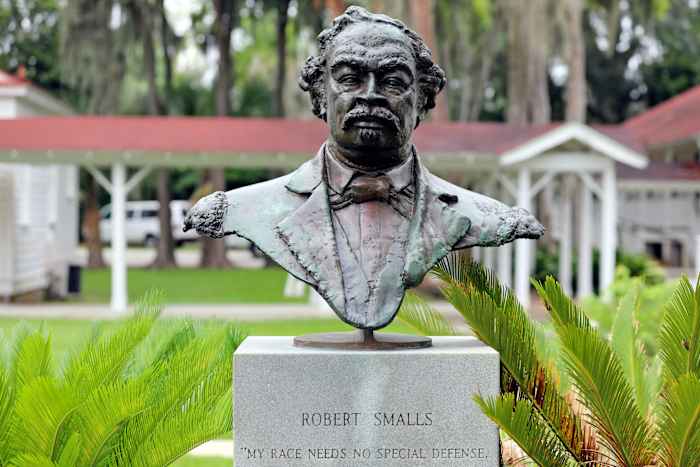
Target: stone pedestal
[(307, 407)]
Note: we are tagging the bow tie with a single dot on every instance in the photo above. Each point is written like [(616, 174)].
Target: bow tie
[(364, 188)]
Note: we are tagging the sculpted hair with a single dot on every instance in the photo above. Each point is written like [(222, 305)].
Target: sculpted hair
[(431, 78)]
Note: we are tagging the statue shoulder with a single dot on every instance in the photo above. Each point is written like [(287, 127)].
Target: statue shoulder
[(212, 215), (493, 223)]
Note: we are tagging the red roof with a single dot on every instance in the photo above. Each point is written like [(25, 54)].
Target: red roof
[(657, 171), (8, 79), (247, 135), (676, 119)]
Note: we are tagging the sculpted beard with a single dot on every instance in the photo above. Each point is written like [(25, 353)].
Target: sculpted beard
[(376, 114)]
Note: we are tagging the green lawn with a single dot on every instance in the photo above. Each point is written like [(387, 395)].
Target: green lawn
[(186, 285), (66, 334)]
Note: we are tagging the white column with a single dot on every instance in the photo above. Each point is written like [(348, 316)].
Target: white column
[(585, 250), (119, 291), (487, 258), (608, 240), (504, 253), (565, 234), (476, 254), (505, 264), (523, 247)]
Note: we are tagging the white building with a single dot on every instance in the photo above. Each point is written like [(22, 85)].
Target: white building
[(38, 205)]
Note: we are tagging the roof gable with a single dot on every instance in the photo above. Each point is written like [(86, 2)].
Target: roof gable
[(599, 141)]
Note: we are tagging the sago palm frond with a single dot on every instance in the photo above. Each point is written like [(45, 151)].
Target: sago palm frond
[(562, 309), (32, 359), (418, 314), (124, 399), (497, 319), (106, 357), (628, 348), (6, 407), (205, 413), (41, 409), (679, 424), (31, 460), (193, 428), (679, 338), (523, 423), (70, 454), (185, 384), (600, 381)]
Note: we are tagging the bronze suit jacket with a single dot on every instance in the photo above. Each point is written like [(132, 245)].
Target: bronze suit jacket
[(289, 219)]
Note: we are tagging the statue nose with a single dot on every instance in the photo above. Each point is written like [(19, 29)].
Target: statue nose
[(371, 94)]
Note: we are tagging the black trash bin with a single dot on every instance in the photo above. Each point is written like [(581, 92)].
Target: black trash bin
[(74, 273)]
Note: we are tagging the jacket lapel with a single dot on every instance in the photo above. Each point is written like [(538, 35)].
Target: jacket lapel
[(308, 232), (435, 228)]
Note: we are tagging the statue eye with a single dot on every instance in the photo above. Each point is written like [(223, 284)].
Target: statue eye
[(395, 82), (349, 79)]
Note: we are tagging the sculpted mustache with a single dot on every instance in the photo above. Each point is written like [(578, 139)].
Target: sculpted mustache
[(377, 113)]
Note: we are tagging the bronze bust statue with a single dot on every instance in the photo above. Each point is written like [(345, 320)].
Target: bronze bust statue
[(364, 219)]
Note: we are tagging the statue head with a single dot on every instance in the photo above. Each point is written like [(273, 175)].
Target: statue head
[(372, 82)]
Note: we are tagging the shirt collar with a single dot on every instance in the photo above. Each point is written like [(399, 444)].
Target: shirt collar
[(339, 174)]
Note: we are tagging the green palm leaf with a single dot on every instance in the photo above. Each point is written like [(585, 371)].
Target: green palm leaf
[(679, 338), (563, 310), (31, 460), (124, 399), (105, 358), (600, 380), (71, 452), (679, 425), (628, 348), (205, 413), (522, 422), (6, 407), (32, 359), (42, 406), (497, 319), (192, 377), (418, 314)]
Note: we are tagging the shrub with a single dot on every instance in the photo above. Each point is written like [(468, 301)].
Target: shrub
[(638, 265), (138, 395), (621, 408)]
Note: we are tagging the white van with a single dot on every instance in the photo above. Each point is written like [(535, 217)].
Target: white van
[(143, 227)]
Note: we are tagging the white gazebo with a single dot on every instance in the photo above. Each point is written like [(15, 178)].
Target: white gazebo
[(569, 168)]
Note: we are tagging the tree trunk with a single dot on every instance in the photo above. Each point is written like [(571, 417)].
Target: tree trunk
[(576, 59), (517, 52), (165, 37), (282, 18), (335, 8), (165, 251), (423, 20), (214, 250), (165, 257), (538, 51), (91, 226)]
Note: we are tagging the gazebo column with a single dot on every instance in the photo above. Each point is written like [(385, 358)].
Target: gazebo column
[(504, 253), (118, 188), (584, 276), (565, 237), (608, 240), (523, 247), (118, 215), (487, 257)]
